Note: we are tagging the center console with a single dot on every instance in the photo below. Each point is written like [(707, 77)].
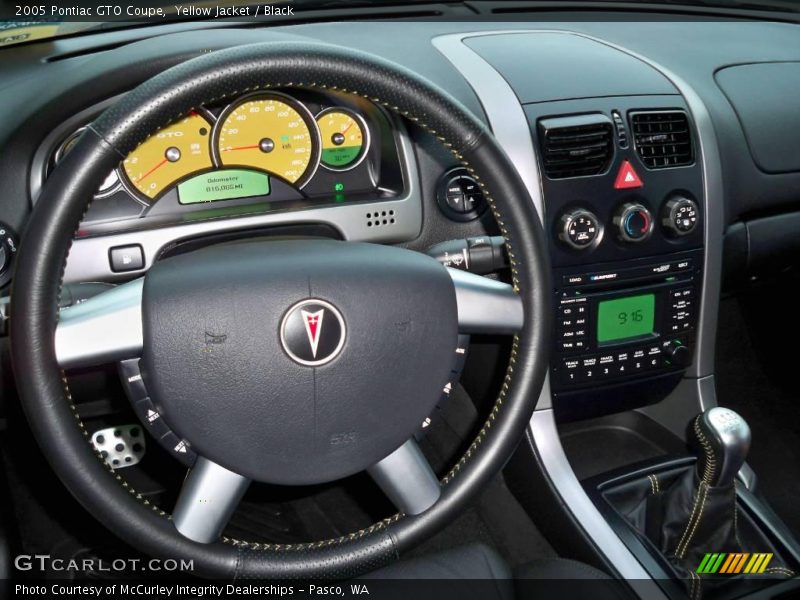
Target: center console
[(623, 199), (619, 157)]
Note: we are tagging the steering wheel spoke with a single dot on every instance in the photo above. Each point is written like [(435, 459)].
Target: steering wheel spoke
[(407, 478), (208, 498), (102, 329), (486, 305)]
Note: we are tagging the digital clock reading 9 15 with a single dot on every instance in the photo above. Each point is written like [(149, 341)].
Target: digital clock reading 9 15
[(625, 318)]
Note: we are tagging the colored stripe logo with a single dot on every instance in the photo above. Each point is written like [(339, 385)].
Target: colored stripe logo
[(733, 563)]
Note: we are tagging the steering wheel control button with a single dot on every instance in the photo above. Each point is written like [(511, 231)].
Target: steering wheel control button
[(121, 446), (627, 178), (680, 216), (580, 229), (459, 196), (178, 447), (126, 258), (634, 222), (313, 332)]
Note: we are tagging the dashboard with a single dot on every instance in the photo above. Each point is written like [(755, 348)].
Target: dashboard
[(660, 151), (639, 146)]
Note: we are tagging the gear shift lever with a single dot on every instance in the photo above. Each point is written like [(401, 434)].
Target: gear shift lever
[(723, 440)]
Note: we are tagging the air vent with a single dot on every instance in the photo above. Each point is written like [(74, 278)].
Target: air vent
[(576, 146), (662, 138)]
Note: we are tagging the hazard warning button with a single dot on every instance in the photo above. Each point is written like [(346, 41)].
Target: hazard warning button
[(627, 178)]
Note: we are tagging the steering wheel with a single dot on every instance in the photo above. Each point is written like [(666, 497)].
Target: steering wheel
[(265, 405)]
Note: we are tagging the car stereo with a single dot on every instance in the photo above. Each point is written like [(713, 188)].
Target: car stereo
[(629, 322)]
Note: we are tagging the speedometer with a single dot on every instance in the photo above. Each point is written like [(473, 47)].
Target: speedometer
[(270, 132)]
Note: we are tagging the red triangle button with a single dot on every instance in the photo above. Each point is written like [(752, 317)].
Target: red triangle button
[(627, 177)]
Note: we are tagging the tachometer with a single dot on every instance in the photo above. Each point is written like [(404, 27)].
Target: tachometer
[(169, 156), (345, 138), (270, 132)]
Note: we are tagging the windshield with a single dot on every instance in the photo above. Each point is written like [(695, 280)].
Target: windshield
[(32, 21)]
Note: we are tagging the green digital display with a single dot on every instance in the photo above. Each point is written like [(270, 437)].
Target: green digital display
[(624, 318), (226, 184)]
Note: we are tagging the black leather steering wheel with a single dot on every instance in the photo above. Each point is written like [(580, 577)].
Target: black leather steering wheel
[(160, 316)]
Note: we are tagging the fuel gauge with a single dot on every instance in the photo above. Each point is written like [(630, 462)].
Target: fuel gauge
[(345, 138)]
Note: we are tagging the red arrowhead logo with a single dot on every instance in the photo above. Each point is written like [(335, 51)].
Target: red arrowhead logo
[(627, 178), (313, 323)]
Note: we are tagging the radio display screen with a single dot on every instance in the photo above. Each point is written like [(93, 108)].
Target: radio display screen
[(624, 318)]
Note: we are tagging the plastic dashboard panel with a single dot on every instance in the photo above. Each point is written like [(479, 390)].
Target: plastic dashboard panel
[(764, 96), (567, 67)]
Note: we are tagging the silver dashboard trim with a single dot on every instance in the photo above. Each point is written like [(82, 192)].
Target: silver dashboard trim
[(88, 258), (486, 305), (207, 501), (510, 126), (407, 479), (102, 329)]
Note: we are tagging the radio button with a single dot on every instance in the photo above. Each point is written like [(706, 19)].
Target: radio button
[(638, 360), (570, 369), (573, 279), (606, 363), (654, 358), (682, 315), (681, 304), (573, 344)]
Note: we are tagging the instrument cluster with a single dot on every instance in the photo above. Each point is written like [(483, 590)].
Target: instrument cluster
[(265, 151)]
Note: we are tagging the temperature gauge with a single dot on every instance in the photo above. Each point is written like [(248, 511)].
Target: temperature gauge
[(345, 138)]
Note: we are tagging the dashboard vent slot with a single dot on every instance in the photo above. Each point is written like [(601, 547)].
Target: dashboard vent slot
[(662, 139), (576, 146)]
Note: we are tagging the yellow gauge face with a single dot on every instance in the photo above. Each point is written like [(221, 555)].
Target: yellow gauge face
[(343, 139), (169, 156), (268, 133)]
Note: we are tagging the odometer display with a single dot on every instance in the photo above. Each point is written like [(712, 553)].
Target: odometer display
[(272, 133)]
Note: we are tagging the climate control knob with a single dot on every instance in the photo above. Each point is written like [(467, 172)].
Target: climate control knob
[(634, 222), (680, 216), (579, 229)]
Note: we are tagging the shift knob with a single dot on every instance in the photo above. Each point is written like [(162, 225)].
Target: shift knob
[(722, 440)]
